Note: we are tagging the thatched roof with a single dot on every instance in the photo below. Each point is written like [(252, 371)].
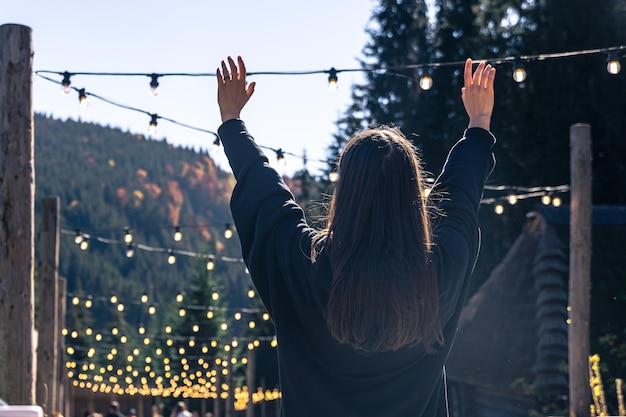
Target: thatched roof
[(513, 334)]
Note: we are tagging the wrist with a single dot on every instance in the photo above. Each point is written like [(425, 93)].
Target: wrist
[(483, 122), (229, 115)]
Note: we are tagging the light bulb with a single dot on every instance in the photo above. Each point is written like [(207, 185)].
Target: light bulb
[(65, 84), (180, 297), (556, 201), (154, 84), (78, 238), (210, 264), (130, 251), (215, 295), (499, 209), (216, 145), (89, 302), (613, 66), (144, 298), (228, 232), (178, 235), (171, 259), (333, 176), (519, 73), (152, 310), (512, 198), (426, 81), (546, 199), (128, 236), (280, 157), (250, 293), (153, 124), (82, 98), (332, 80), (84, 244)]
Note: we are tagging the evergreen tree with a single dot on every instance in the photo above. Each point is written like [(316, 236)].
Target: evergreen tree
[(400, 36)]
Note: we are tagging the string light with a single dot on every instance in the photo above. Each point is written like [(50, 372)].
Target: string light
[(519, 73), (153, 124), (144, 298), (332, 80), (280, 157), (178, 235), (228, 231), (128, 236), (171, 259), (84, 243), (82, 98), (426, 81), (65, 84), (613, 65), (210, 264), (78, 238), (216, 145), (154, 84), (130, 251)]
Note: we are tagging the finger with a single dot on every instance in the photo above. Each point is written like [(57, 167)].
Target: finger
[(250, 89), (242, 68), (468, 72), (224, 69), (485, 76), (234, 72), (491, 78), (478, 74), (218, 73)]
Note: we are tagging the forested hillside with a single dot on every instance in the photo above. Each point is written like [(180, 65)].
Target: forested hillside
[(108, 180)]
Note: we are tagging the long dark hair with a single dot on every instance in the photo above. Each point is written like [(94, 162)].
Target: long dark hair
[(384, 295)]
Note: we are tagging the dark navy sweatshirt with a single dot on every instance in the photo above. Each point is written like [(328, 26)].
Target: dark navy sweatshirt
[(318, 376)]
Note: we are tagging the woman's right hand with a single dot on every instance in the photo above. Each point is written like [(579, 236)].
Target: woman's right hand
[(478, 94)]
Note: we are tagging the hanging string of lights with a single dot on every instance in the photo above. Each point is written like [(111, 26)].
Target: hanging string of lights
[(613, 66)]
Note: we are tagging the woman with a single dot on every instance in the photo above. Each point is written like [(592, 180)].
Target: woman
[(366, 310)]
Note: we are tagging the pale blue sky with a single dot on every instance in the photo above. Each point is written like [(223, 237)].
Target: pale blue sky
[(287, 111)]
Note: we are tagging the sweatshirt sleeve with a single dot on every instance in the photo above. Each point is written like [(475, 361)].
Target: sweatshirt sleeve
[(457, 193), (275, 238)]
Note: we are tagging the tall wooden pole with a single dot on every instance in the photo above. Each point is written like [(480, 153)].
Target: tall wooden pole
[(63, 390), (17, 191), (250, 377), (47, 307), (580, 271)]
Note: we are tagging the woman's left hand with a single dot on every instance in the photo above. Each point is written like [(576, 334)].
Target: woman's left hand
[(232, 92)]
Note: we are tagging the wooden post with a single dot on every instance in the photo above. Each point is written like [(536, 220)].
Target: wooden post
[(47, 307), (217, 404), (229, 406), (250, 377), (17, 191), (580, 270), (62, 386)]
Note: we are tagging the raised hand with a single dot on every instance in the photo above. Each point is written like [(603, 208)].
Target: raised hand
[(232, 92), (478, 94)]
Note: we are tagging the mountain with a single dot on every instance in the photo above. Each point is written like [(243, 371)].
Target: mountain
[(110, 182)]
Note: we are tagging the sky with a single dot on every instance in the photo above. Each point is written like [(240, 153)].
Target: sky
[(296, 113)]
